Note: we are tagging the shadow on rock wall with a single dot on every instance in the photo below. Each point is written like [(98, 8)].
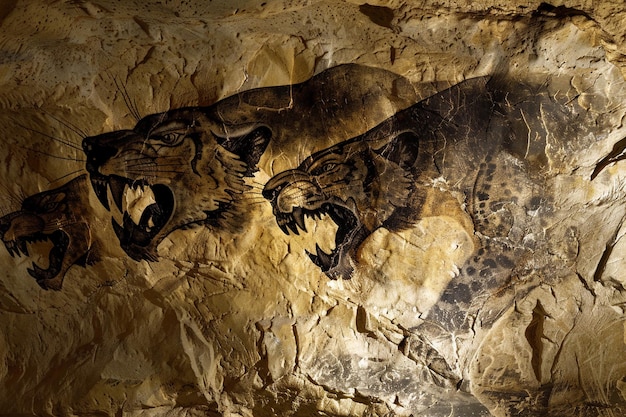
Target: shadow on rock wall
[(363, 242)]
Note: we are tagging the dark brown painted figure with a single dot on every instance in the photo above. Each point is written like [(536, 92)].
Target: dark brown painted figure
[(193, 161), (362, 184), (61, 216), (486, 137), (378, 179)]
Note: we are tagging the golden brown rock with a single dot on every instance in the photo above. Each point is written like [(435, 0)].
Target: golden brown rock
[(311, 207)]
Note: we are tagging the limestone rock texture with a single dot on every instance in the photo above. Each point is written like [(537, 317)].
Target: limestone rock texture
[(312, 208)]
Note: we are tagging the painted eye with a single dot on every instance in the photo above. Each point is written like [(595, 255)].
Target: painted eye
[(172, 138), (325, 168), (47, 204), (50, 202), (51, 206), (328, 167)]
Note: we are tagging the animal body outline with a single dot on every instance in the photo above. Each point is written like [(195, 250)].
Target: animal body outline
[(480, 122), (383, 174), (193, 161)]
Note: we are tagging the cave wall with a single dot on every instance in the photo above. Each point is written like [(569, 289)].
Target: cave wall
[(248, 208)]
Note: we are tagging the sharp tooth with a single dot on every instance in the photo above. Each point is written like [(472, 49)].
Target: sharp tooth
[(23, 247), (322, 259), (323, 232), (100, 188), (35, 269), (117, 187), (326, 258), (293, 227), (9, 246), (282, 221), (298, 216), (137, 200), (313, 258), (119, 230), (147, 224), (36, 272)]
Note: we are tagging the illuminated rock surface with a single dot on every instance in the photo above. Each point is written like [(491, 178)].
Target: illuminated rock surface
[(457, 169)]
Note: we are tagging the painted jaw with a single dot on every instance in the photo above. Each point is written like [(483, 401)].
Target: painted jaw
[(350, 234), (60, 242), (169, 159), (146, 209), (55, 225)]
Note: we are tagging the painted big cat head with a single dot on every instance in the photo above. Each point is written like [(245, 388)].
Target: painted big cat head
[(171, 171), (380, 178), (362, 184), (62, 217)]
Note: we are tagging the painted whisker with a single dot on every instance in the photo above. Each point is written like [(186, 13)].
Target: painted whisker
[(144, 158), (54, 156), (65, 176), (58, 140), (67, 124)]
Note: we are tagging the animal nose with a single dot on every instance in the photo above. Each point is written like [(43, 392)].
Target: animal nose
[(272, 193), (97, 153), (87, 144), (4, 226), (277, 183)]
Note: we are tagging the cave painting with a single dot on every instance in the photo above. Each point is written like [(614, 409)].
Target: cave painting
[(62, 217), (362, 184), (380, 179), (184, 168), (188, 166)]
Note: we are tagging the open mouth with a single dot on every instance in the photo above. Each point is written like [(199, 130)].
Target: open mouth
[(144, 208), (60, 241), (345, 237)]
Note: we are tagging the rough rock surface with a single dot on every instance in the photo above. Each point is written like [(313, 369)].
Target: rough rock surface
[(458, 170)]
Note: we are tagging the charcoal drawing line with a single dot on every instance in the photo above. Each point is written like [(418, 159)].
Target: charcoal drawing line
[(61, 216), (188, 166), (378, 179), (474, 137)]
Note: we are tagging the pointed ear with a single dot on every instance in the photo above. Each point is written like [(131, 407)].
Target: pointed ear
[(248, 141), (401, 148)]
